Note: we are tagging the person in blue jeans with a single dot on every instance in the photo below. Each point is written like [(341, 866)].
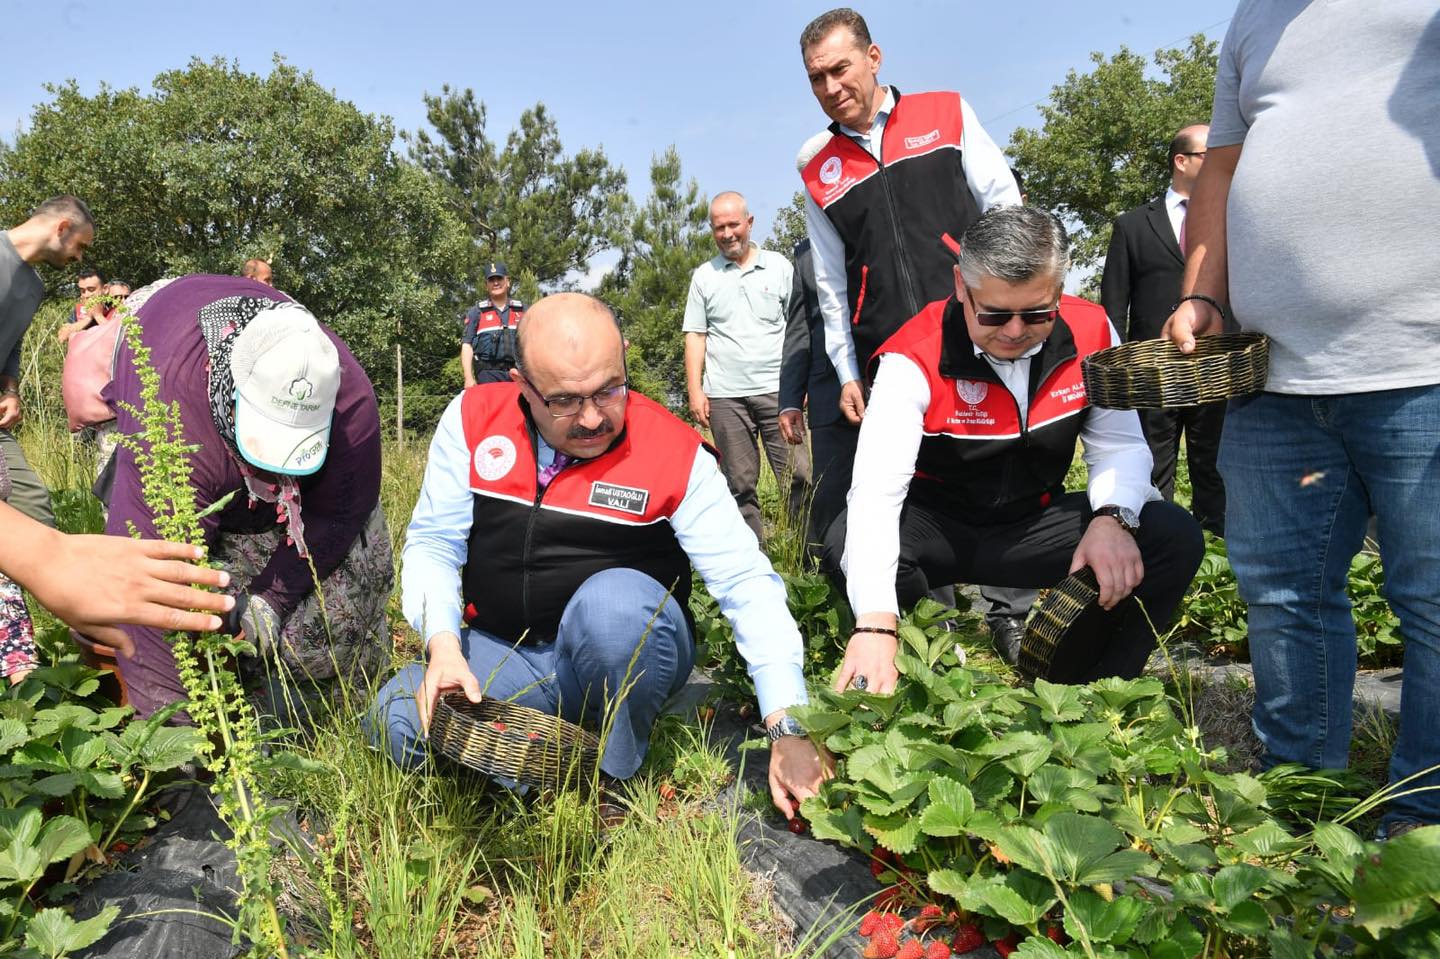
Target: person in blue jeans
[(548, 561), (1349, 295)]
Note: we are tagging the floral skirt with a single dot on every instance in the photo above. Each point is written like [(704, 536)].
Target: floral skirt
[(17, 632), (348, 636)]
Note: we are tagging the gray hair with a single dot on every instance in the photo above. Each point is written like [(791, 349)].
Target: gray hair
[(1015, 244)]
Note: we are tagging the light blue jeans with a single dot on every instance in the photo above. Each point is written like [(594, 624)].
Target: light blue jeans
[(576, 676), (1303, 475)]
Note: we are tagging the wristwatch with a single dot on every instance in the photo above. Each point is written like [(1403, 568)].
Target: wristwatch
[(1127, 519), (785, 726)]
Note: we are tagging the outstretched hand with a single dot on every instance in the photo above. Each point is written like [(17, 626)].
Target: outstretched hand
[(143, 582)]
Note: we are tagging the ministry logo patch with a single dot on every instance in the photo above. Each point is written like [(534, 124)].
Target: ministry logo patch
[(626, 499), (830, 171), (494, 457), (972, 391)]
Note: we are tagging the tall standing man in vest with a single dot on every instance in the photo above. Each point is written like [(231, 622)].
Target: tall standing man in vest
[(734, 334), (487, 347), (1139, 288), (900, 180), (548, 560), (975, 413)]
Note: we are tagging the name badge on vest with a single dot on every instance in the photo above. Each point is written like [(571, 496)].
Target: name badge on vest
[(626, 499)]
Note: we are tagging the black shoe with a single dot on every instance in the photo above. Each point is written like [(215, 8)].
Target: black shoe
[(1006, 634)]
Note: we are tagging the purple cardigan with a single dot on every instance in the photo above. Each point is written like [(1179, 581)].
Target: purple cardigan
[(335, 502)]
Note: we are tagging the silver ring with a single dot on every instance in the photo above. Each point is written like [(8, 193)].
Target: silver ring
[(860, 682)]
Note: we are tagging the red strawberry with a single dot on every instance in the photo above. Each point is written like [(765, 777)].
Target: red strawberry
[(968, 938), (1056, 934), (930, 915), (667, 792), (883, 945), (893, 921), (937, 950), (911, 950), (878, 868), (869, 923), (796, 825), (499, 726), (1005, 946)]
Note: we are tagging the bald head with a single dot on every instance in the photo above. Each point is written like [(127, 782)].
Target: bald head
[(257, 269), (730, 225), (566, 324)]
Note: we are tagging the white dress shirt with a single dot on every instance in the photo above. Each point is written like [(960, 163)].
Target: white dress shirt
[(987, 173), (1115, 453), (1176, 206), (707, 525)]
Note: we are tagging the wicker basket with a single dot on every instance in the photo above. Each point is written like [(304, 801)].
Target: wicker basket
[(513, 742), (1154, 374), (1062, 606)]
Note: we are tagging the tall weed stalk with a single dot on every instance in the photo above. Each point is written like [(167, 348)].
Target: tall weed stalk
[(215, 700)]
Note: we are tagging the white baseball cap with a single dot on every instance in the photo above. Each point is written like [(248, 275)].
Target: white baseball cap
[(287, 374)]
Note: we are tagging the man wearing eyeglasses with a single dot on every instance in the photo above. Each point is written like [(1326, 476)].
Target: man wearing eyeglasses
[(548, 561), (1141, 282), (960, 474)]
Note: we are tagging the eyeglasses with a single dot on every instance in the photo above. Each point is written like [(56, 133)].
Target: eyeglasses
[(1192, 153), (563, 406), (1028, 317)]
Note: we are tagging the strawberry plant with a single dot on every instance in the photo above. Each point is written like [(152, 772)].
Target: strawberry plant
[(1090, 821), (1214, 615), (72, 778)]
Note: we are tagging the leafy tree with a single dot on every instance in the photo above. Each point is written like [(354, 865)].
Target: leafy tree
[(668, 238), (1101, 148), (527, 203), (216, 165), (789, 228)]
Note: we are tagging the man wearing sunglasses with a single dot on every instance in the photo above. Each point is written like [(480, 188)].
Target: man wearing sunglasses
[(548, 561), (960, 475)]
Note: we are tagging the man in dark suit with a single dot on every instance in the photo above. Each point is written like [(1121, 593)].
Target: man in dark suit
[(807, 377), (1139, 287)]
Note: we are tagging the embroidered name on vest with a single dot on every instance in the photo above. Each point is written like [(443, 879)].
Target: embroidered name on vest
[(626, 499), (915, 143)]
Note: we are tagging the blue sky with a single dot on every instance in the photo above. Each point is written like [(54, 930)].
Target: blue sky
[(724, 83)]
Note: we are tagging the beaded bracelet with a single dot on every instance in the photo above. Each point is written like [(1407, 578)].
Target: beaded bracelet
[(876, 629)]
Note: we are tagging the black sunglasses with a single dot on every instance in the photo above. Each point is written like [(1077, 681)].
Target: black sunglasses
[(1029, 317)]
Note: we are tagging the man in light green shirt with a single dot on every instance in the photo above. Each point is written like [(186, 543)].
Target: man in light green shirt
[(734, 331)]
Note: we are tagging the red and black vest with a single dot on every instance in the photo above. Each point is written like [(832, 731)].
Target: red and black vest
[(978, 460), (492, 336), (531, 549), (896, 216)]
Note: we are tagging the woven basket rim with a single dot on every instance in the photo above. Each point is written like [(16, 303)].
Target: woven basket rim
[(1154, 374), (1066, 601), (508, 740)]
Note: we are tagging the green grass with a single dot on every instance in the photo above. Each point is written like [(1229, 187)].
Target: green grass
[(400, 864)]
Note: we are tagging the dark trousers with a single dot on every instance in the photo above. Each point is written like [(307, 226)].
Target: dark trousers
[(1201, 426), (1035, 551), (832, 458)]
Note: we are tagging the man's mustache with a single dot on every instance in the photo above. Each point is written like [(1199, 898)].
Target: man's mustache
[(581, 433)]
